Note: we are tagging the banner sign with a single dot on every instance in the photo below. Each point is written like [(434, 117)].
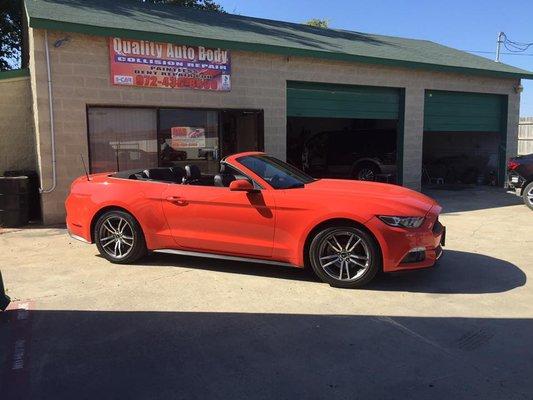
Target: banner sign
[(167, 65), (187, 137)]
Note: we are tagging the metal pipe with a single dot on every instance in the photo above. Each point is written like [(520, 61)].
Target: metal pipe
[(52, 131)]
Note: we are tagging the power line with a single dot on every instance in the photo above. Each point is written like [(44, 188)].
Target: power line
[(512, 46), (491, 52)]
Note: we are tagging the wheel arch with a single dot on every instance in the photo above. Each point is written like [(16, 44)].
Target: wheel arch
[(366, 161), (105, 209), (337, 221)]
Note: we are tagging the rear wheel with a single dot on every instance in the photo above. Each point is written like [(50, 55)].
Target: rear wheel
[(119, 237), (527, 194), (344, 256)]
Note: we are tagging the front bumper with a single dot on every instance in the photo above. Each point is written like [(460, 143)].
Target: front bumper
[(398, 243)]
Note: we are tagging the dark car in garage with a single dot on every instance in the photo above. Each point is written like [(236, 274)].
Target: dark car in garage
[(351, 154), (520, 177)]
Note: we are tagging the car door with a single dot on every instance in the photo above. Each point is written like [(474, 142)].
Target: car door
[(215, 219)]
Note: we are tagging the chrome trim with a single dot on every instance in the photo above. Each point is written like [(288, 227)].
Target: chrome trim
[(438, 252), (223, 257), (73, 236)]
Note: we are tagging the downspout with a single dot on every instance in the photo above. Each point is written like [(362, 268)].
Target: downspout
[(51, 108)]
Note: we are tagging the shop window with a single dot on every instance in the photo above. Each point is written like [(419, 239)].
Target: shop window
[(189, 137), (122, 138)]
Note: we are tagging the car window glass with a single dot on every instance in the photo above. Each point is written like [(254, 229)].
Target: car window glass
[(278, 174)]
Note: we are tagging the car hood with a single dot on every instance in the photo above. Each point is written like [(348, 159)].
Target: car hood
[(382, 198)]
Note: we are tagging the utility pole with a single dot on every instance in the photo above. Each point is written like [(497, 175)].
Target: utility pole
[(499, 42)]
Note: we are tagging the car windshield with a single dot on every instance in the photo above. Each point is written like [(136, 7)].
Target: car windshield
[(278, 174)]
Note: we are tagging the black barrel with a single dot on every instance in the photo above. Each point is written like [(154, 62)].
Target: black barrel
[(35, 202), (14, 201)]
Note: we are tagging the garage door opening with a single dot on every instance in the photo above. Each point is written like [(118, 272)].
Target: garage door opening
[(464, 139), (344, 148), (455, 158), (344, 131)]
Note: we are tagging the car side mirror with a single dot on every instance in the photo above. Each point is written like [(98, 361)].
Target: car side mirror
[(241, 185)]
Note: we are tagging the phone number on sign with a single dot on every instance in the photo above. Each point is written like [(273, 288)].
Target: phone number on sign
[(175, 82)]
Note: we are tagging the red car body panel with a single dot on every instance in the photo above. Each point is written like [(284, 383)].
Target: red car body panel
[(268, 224)]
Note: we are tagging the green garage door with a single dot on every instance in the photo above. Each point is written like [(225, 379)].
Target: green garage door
[(463, 112), (468, 112), (305, 99)]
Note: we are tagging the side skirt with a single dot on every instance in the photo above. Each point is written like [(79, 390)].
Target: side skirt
[(224, 257)]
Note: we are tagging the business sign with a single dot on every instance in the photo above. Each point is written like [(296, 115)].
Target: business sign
[(167, 65), (187, 137)]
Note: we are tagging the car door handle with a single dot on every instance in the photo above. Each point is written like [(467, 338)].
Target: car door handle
[(177, 200)]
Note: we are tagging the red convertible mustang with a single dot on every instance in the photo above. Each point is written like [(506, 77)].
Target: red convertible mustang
[(258, 209)]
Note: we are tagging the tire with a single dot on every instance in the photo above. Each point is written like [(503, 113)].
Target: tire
[(334, 247), (366, 172), (119, 226), (527, 195)]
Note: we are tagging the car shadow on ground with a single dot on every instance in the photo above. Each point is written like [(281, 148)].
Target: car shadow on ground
[(223, 355), (226, 266), (456, 272)]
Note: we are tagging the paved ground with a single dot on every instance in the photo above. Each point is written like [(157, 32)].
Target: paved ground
[(185, 328)]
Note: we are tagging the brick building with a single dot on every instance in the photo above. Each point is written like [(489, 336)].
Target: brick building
[(128, 82)]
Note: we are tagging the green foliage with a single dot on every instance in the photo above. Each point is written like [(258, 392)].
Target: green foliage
[(10, 34), (318, 23)]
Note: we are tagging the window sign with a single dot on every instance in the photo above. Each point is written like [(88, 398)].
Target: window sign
[(187, 137), (167, 65)]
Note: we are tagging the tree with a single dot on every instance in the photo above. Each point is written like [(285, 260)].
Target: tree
[(11, 26), (10, 34), (318, 23)]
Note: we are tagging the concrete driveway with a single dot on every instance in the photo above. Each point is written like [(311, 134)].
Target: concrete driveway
[(185, 328)]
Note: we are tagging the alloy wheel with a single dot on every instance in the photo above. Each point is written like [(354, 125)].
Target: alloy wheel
[(366, 174), (116, 237), (529, 196), (344, 256)]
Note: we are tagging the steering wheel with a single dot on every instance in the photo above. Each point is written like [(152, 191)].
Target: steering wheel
[(275, 180)]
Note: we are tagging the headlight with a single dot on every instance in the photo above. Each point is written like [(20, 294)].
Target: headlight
[(404, 222)]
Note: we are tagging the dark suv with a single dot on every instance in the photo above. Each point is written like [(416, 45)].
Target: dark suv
[(520, 177), (350, 154)]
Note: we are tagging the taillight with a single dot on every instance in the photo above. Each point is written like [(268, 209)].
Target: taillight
[(511, 165)]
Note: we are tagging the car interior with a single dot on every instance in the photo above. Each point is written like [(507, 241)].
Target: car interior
[(188, 175)]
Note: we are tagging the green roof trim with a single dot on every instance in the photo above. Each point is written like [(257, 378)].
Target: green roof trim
[(170, 23), (14, 73)]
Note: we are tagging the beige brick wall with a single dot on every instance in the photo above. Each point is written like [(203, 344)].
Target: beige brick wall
[(17, 142), (80, 76)]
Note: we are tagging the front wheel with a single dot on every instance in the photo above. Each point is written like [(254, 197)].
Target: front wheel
[(344, 256), (528, 195), (119, 237), (366, 172)]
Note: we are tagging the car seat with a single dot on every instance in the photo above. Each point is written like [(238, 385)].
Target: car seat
[(162, 174), (193, 176), (223, 180)]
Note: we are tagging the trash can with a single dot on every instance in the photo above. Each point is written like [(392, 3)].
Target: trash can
[(33, 191), (4, 299), (14, 201)]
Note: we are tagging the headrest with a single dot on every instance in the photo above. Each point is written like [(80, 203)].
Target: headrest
[(223, 180)]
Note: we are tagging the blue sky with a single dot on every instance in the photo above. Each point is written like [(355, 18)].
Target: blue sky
[(465, 25)]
